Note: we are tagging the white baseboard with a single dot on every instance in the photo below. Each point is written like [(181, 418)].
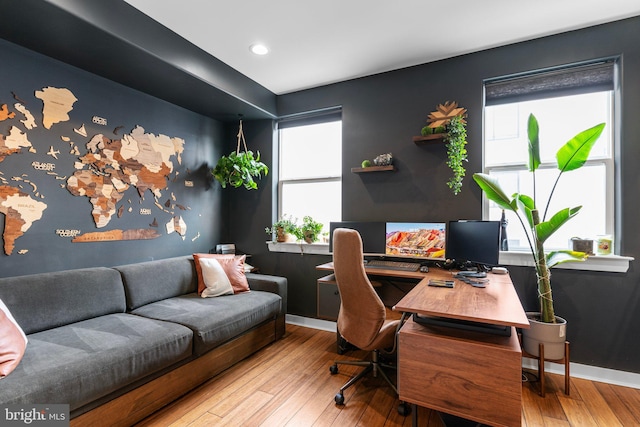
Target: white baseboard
[(310, 322), (592, 373), (588, 372)]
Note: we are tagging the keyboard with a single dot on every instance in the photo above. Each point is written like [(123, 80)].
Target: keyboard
[(393, 265)]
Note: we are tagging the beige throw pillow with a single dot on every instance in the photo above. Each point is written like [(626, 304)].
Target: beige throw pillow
[(215, 279)]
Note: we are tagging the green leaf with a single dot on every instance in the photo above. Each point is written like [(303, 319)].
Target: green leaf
[(534, 143), (547, 228), (576, 151), (238, 169), (526, 204), (560, 257), (493, 191)]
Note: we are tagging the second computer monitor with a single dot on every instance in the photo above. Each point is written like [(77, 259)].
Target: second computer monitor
[(371, 233), (473, 242)]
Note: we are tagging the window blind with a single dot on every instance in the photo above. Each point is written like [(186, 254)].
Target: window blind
[(563, 81), (311, 118)]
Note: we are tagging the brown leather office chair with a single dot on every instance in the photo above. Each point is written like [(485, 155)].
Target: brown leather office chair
[(362, 317)]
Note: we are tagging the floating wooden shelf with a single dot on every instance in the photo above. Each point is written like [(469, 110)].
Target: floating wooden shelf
[(435, 138), (373, 169)]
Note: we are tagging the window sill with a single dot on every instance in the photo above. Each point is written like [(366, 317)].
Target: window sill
[(609, 263), (299, 248)]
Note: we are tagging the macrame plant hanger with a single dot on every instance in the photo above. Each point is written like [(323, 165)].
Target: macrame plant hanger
[(241, 137)]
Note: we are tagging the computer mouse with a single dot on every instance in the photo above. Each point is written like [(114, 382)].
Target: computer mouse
[(424, 269)]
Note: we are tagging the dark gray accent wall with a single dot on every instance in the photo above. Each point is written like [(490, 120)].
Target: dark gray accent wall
[(25, 72), (381, 113)]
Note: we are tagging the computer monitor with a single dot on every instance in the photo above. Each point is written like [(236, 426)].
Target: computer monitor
[(473, 243), (371, 232), (420, 240)]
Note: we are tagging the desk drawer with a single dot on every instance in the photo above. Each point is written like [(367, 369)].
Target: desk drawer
[(328, 298), (471, 375)]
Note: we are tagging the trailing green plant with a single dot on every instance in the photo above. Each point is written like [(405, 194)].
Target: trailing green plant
[(285, 225), (310, 230), (571, 156), (240, 167), (456, 140)]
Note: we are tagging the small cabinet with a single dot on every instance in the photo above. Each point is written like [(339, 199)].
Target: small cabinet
[(328, 298)]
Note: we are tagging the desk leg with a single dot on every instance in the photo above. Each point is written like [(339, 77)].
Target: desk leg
[(414, 415)]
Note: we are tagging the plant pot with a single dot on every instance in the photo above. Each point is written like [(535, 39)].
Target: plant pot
[(309, 237), (280, 235), (290, 238), (552, 335)]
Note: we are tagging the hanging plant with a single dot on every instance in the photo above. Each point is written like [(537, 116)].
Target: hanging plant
[(450, 120), (456, 140), (240, 167)]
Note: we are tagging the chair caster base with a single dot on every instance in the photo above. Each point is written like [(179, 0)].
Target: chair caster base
[(333, 369), (339, 399), (404, 409)]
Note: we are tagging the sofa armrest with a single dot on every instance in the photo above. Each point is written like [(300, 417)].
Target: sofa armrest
[(267, 283)]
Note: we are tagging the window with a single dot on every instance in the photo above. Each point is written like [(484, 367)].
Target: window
[(565, 101), (310, 169)]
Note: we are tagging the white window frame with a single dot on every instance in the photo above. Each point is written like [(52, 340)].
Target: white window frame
[(597, 263), (325, 116)]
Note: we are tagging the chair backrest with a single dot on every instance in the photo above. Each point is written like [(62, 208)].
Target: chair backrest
[(362, 313)]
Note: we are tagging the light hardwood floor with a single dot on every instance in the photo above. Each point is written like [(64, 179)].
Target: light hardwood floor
[(289, 384)]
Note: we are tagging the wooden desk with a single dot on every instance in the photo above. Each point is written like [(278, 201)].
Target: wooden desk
[(382, 272), (497, 303), (468, 374)]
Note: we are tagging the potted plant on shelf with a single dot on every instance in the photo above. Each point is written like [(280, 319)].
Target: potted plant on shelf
[(456, 140), (240, 167), (310, 230), (448, 122), (283, 227), (570, 156)]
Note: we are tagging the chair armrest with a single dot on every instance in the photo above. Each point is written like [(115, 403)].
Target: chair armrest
[(267, 283)]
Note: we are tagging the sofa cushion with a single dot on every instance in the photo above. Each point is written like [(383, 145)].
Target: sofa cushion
[(62, 297), (81, 362), (13, 342), (267, 283), (215, 279), (215, 320), (152, 281)]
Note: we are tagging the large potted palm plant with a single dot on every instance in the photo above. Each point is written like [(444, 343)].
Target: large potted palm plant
[(538, 229)]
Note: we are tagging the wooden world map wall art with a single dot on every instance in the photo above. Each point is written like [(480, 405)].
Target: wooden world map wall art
[(102, 171)]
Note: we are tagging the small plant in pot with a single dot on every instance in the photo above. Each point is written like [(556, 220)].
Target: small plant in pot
[(283, 227), (538, 229), (310, 230)]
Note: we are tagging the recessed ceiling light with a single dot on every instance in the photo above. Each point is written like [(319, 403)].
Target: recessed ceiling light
[(259, 49)]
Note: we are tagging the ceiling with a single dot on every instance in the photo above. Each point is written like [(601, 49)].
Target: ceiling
[(316, 43)]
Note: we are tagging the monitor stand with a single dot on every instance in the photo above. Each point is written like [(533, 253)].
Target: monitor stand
[(472, 266)]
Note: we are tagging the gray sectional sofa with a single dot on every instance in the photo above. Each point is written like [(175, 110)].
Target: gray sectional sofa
[(118, 343)]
